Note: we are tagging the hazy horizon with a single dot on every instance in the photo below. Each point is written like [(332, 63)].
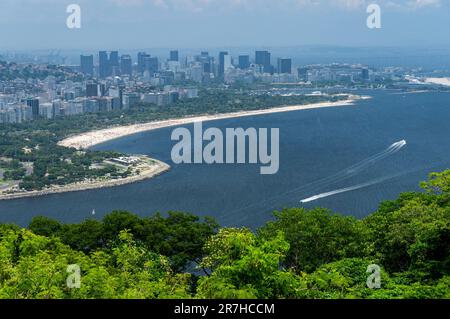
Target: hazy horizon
[(183, 24)]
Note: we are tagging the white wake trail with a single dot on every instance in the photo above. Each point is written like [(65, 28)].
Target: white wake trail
[(356, 168), (342, 190), (394, 148), (351, 188), (337, 177)]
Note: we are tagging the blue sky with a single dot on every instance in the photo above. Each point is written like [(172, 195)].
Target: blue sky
[(40, 24)]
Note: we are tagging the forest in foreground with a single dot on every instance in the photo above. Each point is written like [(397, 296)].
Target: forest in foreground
[(400, 251)]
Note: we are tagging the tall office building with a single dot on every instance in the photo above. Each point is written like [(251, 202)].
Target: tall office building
[(33, 103), (263, 58), (103, 64), (117, 92), (87, 64), (108, 65), (222, 63), (91, 89), (126, 65), (284, 66), (207, 63), (141, 61), (207, 66), (114, 64), (174, 55), (151, 64), (365, 74), (227, 62), (205, 60), (302, 74), (244, 62), (114, 58), (102, 89)]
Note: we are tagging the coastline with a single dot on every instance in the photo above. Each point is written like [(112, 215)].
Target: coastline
[(89, 139), (155, 170), (438, 81)]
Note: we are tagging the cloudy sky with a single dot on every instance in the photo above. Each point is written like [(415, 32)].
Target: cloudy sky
[(41, 24)]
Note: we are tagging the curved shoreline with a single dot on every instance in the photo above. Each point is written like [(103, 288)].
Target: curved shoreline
[(155, 170), (89, 139)]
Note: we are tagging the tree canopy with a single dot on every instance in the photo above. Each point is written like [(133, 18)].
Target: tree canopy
[(404, 246)]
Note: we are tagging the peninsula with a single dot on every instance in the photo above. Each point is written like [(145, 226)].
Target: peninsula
[(125, 169)]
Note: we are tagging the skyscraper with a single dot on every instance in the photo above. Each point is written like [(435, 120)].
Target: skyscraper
[(102, 89), (87, 64), (284, 66), (244, 62), (126, 65), (103, 64), (141, 61), (34, 104), (207, 67), (222, 63), (365, 74), (206, 61), (303, 73), (151, 64), (91, 89), (263, 58), (174, 55), (227, 62), (114, 65)]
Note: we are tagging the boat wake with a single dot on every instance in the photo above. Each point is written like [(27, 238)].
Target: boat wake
[(394, 148), (356, 168), (347, 189), (344, 174)]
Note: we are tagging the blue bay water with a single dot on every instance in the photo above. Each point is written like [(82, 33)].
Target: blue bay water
[(316, 148)]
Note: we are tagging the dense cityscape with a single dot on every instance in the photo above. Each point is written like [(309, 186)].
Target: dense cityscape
[(112, 81)]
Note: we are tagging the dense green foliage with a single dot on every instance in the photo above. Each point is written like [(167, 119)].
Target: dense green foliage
[(300, 254), (180, 237), (13, 71)]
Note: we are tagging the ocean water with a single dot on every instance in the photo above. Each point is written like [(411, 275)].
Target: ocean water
[(347, 159)]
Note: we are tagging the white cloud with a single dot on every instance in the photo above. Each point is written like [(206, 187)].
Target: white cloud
[(349, 4), (200, 5), (416, 4), (250, 5)]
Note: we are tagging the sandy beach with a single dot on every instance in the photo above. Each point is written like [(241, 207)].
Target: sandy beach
[(90, 139), (439, 81)]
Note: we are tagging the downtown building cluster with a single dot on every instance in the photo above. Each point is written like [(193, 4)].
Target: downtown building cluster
[(202, 68), (81, 91), (110, 81)]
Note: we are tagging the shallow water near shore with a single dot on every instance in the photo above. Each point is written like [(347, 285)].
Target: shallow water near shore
[(318, 149)]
